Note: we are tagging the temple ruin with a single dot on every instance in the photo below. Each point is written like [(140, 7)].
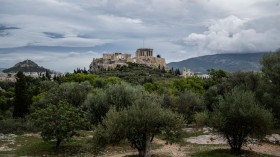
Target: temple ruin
[(142, 56)]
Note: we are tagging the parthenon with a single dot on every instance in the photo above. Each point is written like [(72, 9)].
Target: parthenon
[(144, 52)]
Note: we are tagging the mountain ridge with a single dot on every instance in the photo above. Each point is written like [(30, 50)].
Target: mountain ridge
[(229, 62)]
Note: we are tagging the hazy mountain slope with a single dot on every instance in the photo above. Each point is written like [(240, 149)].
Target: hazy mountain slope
[(227, 62), (26, 66)]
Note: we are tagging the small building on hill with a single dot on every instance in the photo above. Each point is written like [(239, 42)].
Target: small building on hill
[(187, 73)]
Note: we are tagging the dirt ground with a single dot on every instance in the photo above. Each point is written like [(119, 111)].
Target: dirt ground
[(167, 150), (176, 150), (265, 148)]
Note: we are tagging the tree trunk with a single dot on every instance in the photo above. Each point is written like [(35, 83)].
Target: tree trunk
[(58, 141), (145, 151), (236, 150)]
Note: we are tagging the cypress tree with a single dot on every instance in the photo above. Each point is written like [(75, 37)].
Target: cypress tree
[(21, 97)]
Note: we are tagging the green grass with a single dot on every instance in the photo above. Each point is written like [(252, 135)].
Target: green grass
[(153, 155), (194, 148), (81, 145), (193, 134), (226, 153), (214, 153), (124, 146), (37, 147)]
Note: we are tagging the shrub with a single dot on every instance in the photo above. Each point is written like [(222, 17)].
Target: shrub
[(201, 119), (16, 126)]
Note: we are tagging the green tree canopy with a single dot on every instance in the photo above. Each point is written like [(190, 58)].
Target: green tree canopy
[(194, 84), (78, 77), (251, 81), (138, 124), (188, 103), (119, 96), (238, 117), (72, 92), (271, 69), (59, 122), (215, 76)]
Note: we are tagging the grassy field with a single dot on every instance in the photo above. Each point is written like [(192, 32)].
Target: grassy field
[(33, 145), (226, 153), (80, 146)]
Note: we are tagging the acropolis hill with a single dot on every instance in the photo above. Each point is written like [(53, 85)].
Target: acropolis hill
[(142, 56)]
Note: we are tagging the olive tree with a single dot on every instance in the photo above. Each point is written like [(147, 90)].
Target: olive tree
[(71, 92), (59, 122), (138, 124), (238, 117), (270, 67), (188, 103), (120, 96), (271, 70)]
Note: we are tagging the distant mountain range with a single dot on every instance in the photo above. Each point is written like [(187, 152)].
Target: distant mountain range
[(228, 62), (1, 69), (26, 66)]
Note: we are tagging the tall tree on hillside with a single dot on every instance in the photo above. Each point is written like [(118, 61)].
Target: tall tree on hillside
[(21, 103), (48, 75), (271, 69)]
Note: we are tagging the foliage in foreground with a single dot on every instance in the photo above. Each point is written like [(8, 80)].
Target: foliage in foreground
[(59, 122), (138, 124), (238, 117)]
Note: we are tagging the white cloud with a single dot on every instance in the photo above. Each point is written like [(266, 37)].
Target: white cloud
[(232, 34)]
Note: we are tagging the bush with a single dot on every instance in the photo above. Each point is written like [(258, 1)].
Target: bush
[(188, 103), (16, 126), (201, 119)]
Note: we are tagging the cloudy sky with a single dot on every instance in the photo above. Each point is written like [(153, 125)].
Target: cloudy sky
[(65, 34)]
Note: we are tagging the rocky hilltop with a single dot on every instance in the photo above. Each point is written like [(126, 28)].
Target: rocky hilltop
[(26, 66)]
